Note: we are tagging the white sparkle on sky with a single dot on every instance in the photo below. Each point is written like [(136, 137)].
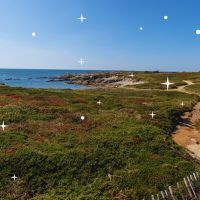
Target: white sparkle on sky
[(33, 34), (141, 28), (166, 17), (81, 61), (82, 18), (198, 31)]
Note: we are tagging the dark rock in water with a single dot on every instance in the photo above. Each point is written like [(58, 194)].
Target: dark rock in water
[(44, 77), (54, 80), (12, 79)]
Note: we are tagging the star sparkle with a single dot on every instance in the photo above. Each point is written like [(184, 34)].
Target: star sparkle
[(99, 102), (152, 115), (182, 104), (82, 18), (167, 83), (14, 177), (3, 126), (141, 28), (81, 61)]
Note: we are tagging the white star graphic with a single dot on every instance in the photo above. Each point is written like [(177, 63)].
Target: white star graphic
[(152, 115), (81, 61), (182, 104), (99, 102), (167, 83), (3, 126), (81, 18), (14, 177)]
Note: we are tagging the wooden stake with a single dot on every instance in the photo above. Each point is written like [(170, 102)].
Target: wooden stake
[(191, 178), (171, 192), (190, 184), (163, 195), (180, 191), (195, 177), (188, 189), (166, 193)]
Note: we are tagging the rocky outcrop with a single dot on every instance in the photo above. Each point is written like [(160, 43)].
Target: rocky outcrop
[(100, 79)]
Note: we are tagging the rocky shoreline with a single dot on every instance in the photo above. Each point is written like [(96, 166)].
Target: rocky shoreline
[(100, 79)]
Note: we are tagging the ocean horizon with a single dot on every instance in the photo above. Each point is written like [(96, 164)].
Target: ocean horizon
[(40, 78)]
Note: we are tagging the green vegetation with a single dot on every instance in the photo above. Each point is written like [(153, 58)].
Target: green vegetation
[(56, 156), (194, 88), (153, 80)]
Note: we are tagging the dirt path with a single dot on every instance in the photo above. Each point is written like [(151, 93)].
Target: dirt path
[(182, 87), (186, 133), (178, 89)]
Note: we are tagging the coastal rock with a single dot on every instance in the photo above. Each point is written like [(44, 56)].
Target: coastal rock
[(99, 79)]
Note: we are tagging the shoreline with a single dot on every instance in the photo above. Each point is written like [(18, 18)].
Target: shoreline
[(114, 79), (100, 79)]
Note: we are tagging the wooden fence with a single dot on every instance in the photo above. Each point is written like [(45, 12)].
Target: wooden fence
[(187, 189)]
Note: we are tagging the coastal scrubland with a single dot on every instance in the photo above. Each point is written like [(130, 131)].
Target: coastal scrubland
[(142, 80), (118, 151)]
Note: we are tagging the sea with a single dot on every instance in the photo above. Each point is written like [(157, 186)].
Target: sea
[(39, 78)]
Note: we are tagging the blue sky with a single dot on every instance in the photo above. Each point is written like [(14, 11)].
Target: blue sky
[(109, 39)]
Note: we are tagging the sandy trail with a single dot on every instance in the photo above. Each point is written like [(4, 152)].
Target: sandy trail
[(182, 87), (186, 133)]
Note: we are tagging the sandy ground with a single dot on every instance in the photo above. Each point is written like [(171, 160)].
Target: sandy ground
[(182, 88), (186, 134)]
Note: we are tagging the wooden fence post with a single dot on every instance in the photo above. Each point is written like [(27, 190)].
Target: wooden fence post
[(180, 191), (190, 184), (197, 174), (188, 189), (163, 195), (195, 177), (166, 193), (171, 192)]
